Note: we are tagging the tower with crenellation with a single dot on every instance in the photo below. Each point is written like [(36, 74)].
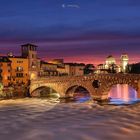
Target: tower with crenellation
[(30, 51)]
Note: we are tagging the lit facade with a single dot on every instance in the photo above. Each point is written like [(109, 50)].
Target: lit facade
[(5, 71), (109, 66), (124, 62), (74, 69), (110, 60), (62, 70), (48, 69), (20, 70)]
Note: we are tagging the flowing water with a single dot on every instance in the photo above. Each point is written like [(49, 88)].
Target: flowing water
[(48, 119)]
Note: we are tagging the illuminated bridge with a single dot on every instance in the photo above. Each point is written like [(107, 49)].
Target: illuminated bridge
[(98, 85)]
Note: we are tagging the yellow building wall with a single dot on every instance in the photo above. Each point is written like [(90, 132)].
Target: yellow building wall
[(6, 73), (20, 70)]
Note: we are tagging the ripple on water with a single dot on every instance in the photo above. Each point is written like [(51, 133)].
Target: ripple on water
[(29, 119)]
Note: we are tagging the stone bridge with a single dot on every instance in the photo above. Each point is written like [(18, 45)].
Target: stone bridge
[(98, 85)]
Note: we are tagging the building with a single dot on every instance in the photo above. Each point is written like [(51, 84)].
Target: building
[(109, 66), (48, 69), (124, 62), (72, 69), (62, 71), (110, 60), (101, 66), (5, 70), (19, 70), (29, 51), (101, 69)]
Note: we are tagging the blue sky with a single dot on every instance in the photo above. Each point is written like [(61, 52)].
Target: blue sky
[(97, 28)]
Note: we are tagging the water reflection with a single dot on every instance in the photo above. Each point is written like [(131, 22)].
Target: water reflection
[(122, 94), (80, 95)]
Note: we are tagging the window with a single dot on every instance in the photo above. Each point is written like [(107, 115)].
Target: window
[(19, 68), (9, 78), (19, 75), (8, 64), (19, 61)]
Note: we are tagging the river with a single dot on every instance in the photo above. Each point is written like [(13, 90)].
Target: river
[(50, 119)]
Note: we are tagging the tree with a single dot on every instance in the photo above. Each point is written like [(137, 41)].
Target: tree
[(89, 69), (112, 69), (134, 68)]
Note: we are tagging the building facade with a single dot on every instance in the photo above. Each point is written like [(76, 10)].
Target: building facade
[(48, 69), (124, 62), (19, 70), (110, 60), (111, 66), (71, 69), (5, 71)]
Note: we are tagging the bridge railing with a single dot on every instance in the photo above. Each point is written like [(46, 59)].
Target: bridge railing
[(62, 78)]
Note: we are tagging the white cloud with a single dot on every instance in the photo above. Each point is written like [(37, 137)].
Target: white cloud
[(70, 6)]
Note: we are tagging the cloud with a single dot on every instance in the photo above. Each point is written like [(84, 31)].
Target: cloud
[(70, 6)]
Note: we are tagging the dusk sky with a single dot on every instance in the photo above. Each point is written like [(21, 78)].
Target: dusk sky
[(76, 30)]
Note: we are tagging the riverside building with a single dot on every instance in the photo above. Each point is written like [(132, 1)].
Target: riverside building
[(5, 70)]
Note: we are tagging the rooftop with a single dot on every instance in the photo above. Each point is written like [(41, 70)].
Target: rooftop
[(75, 64), (29, 44)]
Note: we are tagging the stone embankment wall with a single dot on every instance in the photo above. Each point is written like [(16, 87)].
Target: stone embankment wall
[(13, 92)]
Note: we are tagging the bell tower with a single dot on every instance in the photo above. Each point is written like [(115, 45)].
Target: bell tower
[(124, 62)]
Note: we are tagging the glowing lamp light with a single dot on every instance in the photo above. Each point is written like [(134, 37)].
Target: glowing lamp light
[(33, 76)]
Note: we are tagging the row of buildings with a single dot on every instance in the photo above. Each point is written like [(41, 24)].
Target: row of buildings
[(17, 70)]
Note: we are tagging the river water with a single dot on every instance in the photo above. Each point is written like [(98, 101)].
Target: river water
[(50, 119)]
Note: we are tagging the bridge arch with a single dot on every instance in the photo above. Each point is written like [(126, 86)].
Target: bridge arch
[(73, 89), (122, 82), (44, 91), (123, 92), (109, 84)]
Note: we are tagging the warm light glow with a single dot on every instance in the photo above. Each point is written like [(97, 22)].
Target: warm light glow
[(33, 76)]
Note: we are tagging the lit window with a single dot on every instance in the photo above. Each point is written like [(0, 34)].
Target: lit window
[(19, 68)]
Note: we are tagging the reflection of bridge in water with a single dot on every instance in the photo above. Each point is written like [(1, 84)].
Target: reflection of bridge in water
[(97, 85)]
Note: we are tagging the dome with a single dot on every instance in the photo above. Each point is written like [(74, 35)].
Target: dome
[(110, 60), (110, 56)]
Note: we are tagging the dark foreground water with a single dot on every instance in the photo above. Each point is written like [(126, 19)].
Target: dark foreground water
[(43, 119), (48, 119)]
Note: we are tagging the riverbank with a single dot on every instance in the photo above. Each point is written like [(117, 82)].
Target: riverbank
[(14, 92), (37, 119)]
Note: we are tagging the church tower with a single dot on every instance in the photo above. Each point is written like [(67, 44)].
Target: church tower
[(124, 62)]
